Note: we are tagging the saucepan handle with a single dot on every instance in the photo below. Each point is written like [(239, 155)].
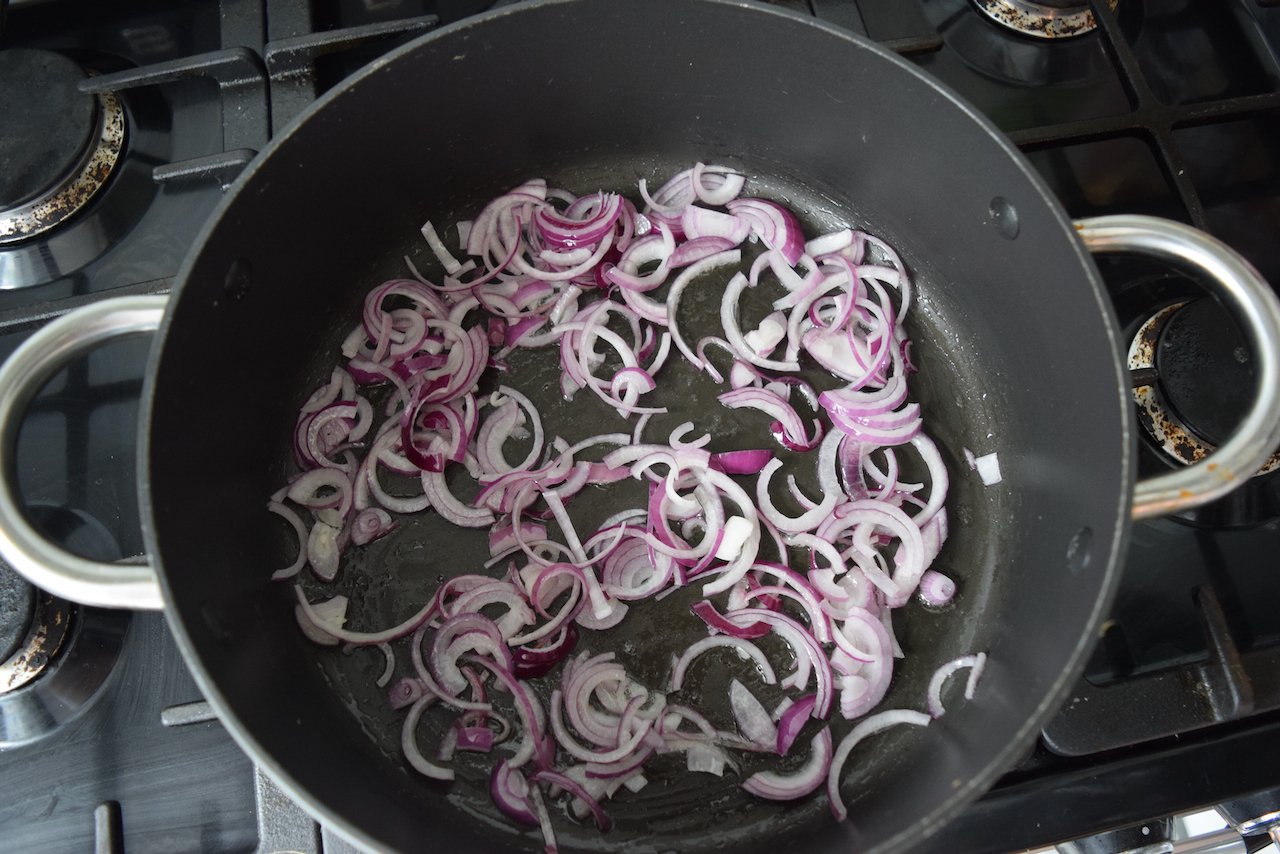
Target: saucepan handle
[(1248, 297), (43, 563)]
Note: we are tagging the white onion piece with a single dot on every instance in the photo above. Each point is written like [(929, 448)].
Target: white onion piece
[(390, 669), (462, 515), (705, 758), (791, 525), (323, 551), (322, 623), (751, 717), (874, 724), (682, 281), (988, 468), (732, 332), (301, 530), (975, 663), (578, 751), (409, 742)]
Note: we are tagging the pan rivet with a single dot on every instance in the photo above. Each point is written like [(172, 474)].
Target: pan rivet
[(1004, 216), (239, 278), (1078, 550)]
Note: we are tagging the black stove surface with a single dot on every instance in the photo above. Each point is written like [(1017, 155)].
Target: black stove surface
[(1167, 107), (118, 752)]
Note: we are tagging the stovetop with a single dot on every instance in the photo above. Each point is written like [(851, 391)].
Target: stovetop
[(1167, 107)]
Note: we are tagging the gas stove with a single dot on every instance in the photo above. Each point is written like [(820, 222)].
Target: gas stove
[(125, 122)]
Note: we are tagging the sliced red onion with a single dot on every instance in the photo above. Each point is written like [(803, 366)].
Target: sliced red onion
[(690, 273), (793, 525), (716, 185), (544, 820), (390, 669), (532, 662), (809, 655), (576, 750), (870, 540), (743, 647), (370, 524), (742, 462), (301, 530), (528, 707), (510, 792), (874, 724), (405, 692), (975, 663), (718, 622), (835, 241), (771, 404), (466, 632), (321, 489), (616, 612), (578, 791), (327, 393), (732, 332), (578, 683), (698, 248), (322, 622), (409, 742), (792, 720), (775, 225), (361, 638), (788, 787), (472, 739), (462, 515), (935, 588), (699, 222)]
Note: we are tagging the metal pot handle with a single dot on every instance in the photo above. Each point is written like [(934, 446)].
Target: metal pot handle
[(43, 563), (1251, 301)]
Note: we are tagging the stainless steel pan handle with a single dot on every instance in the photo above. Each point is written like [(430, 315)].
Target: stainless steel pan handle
[(43, 563), (1251, 301)]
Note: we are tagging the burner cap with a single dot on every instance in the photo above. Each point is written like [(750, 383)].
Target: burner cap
[(41, 104), (1193, 380), (17, 604), (1206, 374), (63, 148), (1044, 19)]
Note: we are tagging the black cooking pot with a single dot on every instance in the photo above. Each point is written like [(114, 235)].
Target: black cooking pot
[(1012, 328)]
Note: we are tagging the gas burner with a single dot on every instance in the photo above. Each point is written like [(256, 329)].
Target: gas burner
[(38, 639), (54, 656), (80, 139), (1002, 54), (58, 668), (1044, 19), (1193, 380)]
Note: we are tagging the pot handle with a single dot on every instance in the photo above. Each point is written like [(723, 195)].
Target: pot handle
[(44, 564), (1235, 282)]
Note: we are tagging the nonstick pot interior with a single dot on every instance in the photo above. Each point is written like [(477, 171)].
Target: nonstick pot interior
[(1011, 330)]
